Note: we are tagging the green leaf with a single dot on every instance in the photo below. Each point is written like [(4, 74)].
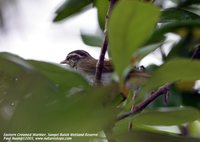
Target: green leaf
[(191, 98), (143, 136), (174, 70), (130, 25), (92, 40), (182, 49), (185, 3), (167, 116), (193, 9), (173, 27), (121, 126), (31, 100), (102, 8), (194, 129), (176, 1), (69, 8), (177, 14), (59, 75), (144, 51)]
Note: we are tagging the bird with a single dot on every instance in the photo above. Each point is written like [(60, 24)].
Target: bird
[(82, 62), (85, 64)]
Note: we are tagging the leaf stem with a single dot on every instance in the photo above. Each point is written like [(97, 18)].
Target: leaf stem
[(162, 90), (100, 63)]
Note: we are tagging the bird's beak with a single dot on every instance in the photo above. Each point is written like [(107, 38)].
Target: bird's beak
[(64, 62)]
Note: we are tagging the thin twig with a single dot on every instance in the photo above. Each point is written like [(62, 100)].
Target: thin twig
[(196, 54), (100, 63), (162, 90)]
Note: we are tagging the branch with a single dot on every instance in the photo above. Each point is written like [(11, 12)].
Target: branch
[(162, 90), (196, 54), (100, 63)]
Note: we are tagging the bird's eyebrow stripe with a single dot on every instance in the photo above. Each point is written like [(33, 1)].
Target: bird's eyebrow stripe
[(74, 55)]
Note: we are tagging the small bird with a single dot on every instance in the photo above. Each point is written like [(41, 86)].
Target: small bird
[(84, 63)]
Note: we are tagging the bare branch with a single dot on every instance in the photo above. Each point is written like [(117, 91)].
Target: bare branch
[(162, 90), (100, 63)]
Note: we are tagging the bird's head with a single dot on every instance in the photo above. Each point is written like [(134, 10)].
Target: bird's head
[(75, 56)]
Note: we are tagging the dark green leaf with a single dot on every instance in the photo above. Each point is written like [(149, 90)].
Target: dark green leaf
[(167, 116), (183, 47), (193, 9), (191, 99), (130, 25), (185, 3), (173, 27), (176, 1), (174, 70), (69, 8), (144, 51), (92, 40), (177, 14)]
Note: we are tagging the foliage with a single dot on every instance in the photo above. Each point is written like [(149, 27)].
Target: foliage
[(44, 97), (121, 39)]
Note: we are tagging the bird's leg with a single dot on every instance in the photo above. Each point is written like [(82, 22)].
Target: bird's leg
[(136, 92)]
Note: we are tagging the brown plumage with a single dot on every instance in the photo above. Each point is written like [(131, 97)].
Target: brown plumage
[(83, 61)]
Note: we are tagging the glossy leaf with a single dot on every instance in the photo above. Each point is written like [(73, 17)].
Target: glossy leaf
[(193, 9), (177, 14), (144, 51), (69, 8), (191, 98), (130, 25), (75, 113), (188, 3), (182, 49), (31, 100), (59, 75), (176, 1), (173, 27), (167, 116), (194, 129), (174, 70), (143, 136), (92, 40)]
